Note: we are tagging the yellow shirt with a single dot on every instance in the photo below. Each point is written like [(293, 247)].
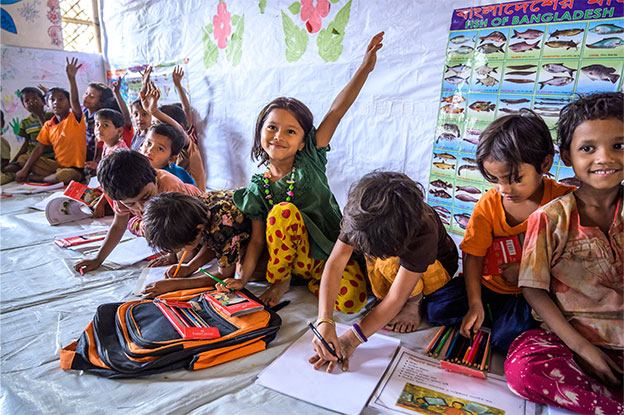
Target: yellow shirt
[(68, 138)]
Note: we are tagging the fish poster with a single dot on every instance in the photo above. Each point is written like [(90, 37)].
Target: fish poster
[(500, 58)]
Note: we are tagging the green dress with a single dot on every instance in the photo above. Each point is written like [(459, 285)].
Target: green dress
[(312, 196)]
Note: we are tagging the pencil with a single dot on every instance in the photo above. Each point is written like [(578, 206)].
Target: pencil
[(453, 343), (485, 352), (475, 347), (175, 273), (213, 277), (435, 338), (442, 342)]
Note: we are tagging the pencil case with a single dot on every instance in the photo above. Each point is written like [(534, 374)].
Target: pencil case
[(133, 339)]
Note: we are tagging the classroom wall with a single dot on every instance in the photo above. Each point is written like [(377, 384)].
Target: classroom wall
[(32, 23), (23, 67), (390, 126)]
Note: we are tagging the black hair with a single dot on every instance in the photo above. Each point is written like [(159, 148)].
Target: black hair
[(515, 139), (136, 103), (175, 135), (176, 112), (111, 115), (598, 106), (31, 90), (297, 108), (124, 174), (106, 94), (171, 219), (383, 213), (54, 89)]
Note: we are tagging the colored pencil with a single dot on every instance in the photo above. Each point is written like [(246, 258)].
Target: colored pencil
[(489, 355), (214, 278), (175, 273), (485, 352), (435, 338), (442, 342), (476, 362), (475, 347), (453, 343)]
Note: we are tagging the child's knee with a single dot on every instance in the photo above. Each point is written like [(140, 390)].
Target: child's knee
[(69, 174)]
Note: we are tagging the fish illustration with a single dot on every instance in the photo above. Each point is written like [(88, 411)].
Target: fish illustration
[(487, 81), (441, 184), (599, 72), (514, 101), (455, 80), (451, 128), (462, 219), (440, 193), (466, 198), (509, 110), (441, 209), (479, 106), (455, 99), (463, 50), (547, 114), (446, 156), (472, 140), (556, 81), (446, 136), (519, 81), (469, 160), (469, 189), (568, 44), (523, 46), (458, 40), (566, 32), (555, 99), (444, 220), (474, 132), (547, 109), (444, 166), (468, 167), (521, 67), (484, 70), (520, 73), (571, 181), (528, 34), (452, 109), (459, 68), (495, 36), (488, 48), (558, 68), (607, 29)]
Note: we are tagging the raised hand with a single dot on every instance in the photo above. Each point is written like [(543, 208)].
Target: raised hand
[(149, 98), (72, 67), (145, 75), (370, 58), (177, 75), (116, 84)]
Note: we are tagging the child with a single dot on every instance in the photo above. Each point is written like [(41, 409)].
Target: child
[(571, 272), (128, 130), (33, 102), (130, 181), (408, 253), (141, 117), (514, 154), (291, 204), (162, 145), (178, 222), (65, 132), (5, 154)]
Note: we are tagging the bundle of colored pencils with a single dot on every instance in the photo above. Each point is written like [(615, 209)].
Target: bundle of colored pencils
[(448, 344)]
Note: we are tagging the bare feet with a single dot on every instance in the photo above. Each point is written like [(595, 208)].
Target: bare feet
[(273, 294), (408, 318)]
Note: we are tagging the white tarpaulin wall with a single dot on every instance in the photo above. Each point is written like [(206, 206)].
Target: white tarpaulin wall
[(390, 126)]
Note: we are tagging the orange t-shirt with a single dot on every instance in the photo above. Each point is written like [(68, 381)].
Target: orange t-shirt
[(488, 221), (68, 140)]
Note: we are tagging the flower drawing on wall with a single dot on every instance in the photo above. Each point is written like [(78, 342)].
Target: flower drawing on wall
[(312, 13), (29, 11), (6, 21), (224, 33)]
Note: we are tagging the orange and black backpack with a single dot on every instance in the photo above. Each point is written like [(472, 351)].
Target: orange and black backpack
[(132, 339)]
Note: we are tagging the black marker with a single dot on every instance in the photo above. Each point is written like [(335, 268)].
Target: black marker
[(327, 346)]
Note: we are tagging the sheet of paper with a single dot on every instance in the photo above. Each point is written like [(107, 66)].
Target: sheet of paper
[(345, 392), (128, 253), (416, 384), (41, 205), (27, 189), (38, 217), (148, 276)]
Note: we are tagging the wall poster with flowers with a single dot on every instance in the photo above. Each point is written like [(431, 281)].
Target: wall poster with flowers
[(312, 13), (224, 33)]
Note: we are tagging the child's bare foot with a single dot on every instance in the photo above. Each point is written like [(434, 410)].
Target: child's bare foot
[(273, 294), (408, 318)]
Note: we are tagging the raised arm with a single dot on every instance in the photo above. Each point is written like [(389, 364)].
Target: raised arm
[(149, 101), (178, 74), (347, 96), (72, 69), (145, 78), (121, 103)]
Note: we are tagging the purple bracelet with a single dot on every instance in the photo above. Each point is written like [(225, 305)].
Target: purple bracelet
[(357, 328)]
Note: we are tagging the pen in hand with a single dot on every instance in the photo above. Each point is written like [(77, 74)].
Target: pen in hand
[(325, 344)]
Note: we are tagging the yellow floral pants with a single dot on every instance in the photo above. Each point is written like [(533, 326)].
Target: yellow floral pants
[(289, 250)]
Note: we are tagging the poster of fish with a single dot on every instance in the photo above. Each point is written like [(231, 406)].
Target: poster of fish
[(535, 54)]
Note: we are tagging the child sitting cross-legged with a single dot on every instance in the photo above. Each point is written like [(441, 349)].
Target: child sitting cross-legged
[(408, 254), (161, 146), (175, 222), (130, 181), (572, 273)]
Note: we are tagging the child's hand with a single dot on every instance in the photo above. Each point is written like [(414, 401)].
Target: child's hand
[(88, 265), (163, 286), (21, 175), (91, 165), (44, 89), (116, 85), (184, 271), (99, 210), (177, 75), (149, 98), (230, 284), (510, 273), (344, 347), (145, 75), (163, 260), (472, 320), (599, 364), (72, 67), (370, 58)]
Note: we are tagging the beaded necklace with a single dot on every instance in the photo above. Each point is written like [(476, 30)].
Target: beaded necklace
[(267, 185)]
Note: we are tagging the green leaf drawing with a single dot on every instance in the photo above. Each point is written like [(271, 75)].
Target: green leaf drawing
[(262, 6), (334, 1), (296, 39), (329, 40), (295, 8), (211, 51), (234, 49)]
